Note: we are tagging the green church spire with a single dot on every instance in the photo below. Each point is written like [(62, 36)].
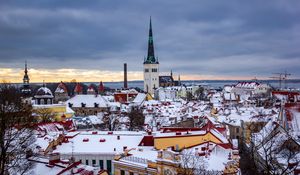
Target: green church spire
[(150, 57)]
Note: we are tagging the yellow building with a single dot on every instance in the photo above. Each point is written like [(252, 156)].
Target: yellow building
[(161, 153), (58, 111)]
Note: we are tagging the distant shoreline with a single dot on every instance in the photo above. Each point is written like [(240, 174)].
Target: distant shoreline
[(203, 81)]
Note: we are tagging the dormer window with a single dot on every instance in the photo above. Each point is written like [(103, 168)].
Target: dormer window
[(70, 105), (96, 105), (83, 105)]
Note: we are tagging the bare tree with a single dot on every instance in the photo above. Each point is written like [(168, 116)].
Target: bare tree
[(45, 114), (16, 137), (276, 153), (136, 118), (192, 163), (199, 93), (112, 121), (189, 96)]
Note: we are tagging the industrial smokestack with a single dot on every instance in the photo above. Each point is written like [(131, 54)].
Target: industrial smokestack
[(125, 76)]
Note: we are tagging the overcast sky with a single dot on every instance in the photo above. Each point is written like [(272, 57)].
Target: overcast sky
[(90, 40)]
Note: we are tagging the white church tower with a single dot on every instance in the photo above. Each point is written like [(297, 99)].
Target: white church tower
[(151, 67)]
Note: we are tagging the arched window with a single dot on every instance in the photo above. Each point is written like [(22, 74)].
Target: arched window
[(42, 101)]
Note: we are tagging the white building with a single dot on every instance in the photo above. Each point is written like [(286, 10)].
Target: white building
[(165, 94), (98, 148)]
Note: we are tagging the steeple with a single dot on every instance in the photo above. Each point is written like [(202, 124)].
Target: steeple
[(26, 78), (150, 57), (171, 74), (26, 88)]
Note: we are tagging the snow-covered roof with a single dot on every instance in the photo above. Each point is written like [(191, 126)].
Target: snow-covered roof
[(139, 98), (43, 92), (88, 100), (109, 145), (248, 85)]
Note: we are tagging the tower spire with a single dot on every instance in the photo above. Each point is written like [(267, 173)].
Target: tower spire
[(25, 67), (26, 88), (26, 77), (151, 56)]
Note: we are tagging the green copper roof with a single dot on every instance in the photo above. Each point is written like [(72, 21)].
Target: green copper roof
[(150, 57)]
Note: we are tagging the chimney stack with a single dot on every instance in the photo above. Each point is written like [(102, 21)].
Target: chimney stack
[(125, 76)]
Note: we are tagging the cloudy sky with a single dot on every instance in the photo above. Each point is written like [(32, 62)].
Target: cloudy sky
[(90, 40)]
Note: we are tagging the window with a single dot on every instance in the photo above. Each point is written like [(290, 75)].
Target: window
[(237, 130), (146, 70), (122, 172), (101, 164), (42, 101), (154, 70), (87, 162), (94, 162), (131, 173), (108, 162), (80, 160)]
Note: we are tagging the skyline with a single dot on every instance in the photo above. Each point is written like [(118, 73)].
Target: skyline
[(198, 40)]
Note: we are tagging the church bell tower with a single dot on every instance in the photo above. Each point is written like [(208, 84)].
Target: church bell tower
[(151, 66), (26, 91)]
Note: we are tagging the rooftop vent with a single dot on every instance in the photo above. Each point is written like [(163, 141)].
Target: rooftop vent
[(85, 140)]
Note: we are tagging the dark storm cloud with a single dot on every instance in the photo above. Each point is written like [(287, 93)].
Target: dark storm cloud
[(250, 38)]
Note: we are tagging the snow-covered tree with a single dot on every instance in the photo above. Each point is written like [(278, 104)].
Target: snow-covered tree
[(192, 163), (16, 137)]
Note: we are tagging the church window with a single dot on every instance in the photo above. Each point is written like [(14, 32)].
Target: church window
[(146, 70)]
